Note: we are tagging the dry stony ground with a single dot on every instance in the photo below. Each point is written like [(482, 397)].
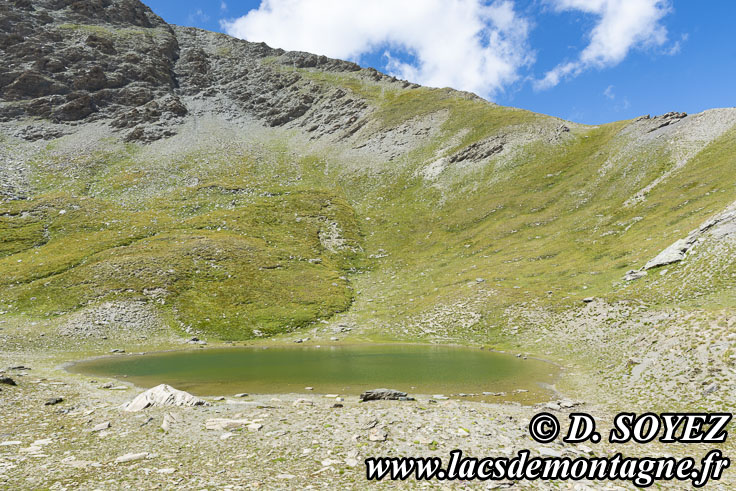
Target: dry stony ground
[(292, 445)]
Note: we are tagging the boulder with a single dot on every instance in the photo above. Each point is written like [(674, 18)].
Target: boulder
[(7, 380), (100, 427), (378, 435), (161, 396), (382, 395), (224, 424), (132, 457), (674, 253), (710, 389), (634, 275)]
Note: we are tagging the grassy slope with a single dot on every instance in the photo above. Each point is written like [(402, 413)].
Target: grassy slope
[(233, 253), (547, 222), (233, 250)]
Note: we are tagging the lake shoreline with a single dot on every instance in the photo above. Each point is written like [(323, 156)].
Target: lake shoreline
[(486, 379)]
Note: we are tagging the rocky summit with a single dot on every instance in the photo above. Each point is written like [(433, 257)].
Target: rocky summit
[(164, 187)]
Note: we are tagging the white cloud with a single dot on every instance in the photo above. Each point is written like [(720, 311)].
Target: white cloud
[(197, 17), (466, 44), (223, 6), (622, 25), (609, 92), (677, 46)]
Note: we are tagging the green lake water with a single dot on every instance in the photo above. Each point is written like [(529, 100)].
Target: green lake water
[(346, 370)]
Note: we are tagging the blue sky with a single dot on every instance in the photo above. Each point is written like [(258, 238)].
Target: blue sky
[(589, 61)]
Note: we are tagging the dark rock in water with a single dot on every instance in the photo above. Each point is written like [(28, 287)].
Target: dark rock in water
[(7, 380), (382, 395), (53, 401)]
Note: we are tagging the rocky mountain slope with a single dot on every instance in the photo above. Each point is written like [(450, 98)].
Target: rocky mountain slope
[(194, 173)]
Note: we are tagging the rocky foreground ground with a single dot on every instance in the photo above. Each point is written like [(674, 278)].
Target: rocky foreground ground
[(64, 431)]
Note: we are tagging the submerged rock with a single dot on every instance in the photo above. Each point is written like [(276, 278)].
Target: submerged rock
[(163, 395), (383, 395)]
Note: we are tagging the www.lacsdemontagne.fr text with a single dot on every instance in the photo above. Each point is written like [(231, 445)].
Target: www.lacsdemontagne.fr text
[(641, 471)]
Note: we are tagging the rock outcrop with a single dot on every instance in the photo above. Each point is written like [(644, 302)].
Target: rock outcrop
[(720, 227), (67, 61)]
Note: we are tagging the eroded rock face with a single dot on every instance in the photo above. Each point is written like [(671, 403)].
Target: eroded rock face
[(70, 61), (260, 81), (479, 151)]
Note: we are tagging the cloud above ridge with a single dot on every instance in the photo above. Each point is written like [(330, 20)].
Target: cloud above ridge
[(469, 45), (482, 46)]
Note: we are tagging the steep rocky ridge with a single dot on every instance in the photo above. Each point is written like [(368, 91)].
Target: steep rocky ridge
[(68, 60), (71, 61)]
